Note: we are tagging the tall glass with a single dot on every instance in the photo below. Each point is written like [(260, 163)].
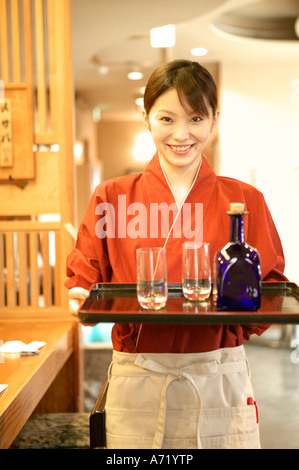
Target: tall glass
[(196, 276), (151, 278)]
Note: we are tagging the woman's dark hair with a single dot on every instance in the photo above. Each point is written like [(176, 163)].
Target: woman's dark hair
[(193, 83)]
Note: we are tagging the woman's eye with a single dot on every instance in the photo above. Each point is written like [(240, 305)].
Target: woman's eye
[(166, 119), (196, 119)]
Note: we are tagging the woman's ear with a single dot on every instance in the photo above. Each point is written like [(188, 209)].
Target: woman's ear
[(215, 120), (146, 120)]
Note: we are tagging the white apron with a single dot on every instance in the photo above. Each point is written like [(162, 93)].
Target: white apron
[(181, 401)]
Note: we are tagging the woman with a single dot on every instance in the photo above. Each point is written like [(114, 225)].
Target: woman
[(174, 386)]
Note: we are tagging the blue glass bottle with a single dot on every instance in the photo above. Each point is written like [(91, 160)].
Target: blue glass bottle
[(237, 268)]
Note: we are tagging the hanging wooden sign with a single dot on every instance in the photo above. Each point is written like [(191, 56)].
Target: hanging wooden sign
[(17, 160), (6, 159)]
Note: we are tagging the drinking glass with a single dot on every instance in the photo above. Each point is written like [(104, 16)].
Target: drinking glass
[(151, 278), (196, 276)]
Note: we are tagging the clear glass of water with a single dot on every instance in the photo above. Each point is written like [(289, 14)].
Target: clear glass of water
[(196, 276), (151, 278)]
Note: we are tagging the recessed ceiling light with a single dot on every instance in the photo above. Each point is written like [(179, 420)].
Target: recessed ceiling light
[(199, 51), (103, 69), (135, 75), (163, 36)]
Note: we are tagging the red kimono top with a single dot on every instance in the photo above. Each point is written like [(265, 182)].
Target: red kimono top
[(115, 225)]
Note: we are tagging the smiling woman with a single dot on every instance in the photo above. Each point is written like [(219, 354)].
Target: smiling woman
[(204, 408), (180, 136), (180, 104)]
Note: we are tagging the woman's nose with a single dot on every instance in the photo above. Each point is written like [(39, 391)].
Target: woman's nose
[(181, 132)]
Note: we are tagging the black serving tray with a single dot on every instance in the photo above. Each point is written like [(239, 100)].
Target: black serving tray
[(117, 303)]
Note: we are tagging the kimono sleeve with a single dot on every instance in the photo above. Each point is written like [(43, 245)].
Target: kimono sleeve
[(88, 262)]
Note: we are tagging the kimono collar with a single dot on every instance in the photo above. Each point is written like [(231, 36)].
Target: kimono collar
[(205, 178)]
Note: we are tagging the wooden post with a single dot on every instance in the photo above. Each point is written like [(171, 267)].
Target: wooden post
[(60, 48)]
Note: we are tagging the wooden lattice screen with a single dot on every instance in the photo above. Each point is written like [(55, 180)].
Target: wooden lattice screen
[(36, 72)]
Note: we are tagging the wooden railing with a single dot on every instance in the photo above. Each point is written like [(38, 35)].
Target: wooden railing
[(28, 254)]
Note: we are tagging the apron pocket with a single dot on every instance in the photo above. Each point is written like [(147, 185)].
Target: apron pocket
[(130, 429), (136, 429), (229, 428), (125, 442), (131, 423)]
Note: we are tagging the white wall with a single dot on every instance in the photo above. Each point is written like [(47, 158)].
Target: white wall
[(259, 141), (89, 173)]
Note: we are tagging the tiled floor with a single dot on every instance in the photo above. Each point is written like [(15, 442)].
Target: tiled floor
[(275, 379)]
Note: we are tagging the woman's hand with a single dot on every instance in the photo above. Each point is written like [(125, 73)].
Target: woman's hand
[(76, 297)]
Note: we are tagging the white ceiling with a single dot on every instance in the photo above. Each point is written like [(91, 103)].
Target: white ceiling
[(117, 33)]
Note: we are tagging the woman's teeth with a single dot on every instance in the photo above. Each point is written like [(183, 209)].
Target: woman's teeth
[(180, 148)]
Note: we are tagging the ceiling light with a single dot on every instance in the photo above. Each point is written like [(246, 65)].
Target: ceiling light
[(199, 51), (297, 27), (139, 101), (163, 36), (103, 69), (135, 75)]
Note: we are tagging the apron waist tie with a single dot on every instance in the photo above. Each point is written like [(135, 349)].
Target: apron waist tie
[(171, 376)]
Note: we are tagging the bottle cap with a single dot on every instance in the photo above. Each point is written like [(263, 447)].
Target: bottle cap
[(236, 208)]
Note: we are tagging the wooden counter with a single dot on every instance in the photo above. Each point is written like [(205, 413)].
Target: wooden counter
[(44, 383)]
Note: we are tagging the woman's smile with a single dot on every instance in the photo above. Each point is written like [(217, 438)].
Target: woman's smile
[(179, 132), (181, 149)]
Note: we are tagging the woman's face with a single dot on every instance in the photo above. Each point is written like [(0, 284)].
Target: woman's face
[(179, 133)]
